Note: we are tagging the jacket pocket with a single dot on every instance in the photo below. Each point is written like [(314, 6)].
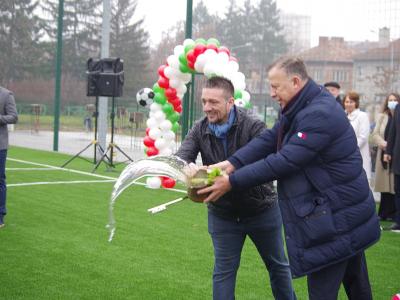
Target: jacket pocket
[(314, 221)]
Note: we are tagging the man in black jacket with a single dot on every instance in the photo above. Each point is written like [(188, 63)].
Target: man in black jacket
[(253, 212)]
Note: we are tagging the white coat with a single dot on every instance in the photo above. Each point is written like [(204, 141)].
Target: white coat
[(360, 122)]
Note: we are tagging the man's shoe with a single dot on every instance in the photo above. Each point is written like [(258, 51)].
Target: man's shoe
[(1, 221), (395, 228)]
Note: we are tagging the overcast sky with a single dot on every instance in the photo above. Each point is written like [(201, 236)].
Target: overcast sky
[(352, 19)]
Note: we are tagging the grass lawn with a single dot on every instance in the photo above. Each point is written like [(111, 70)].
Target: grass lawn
[(54, 245)]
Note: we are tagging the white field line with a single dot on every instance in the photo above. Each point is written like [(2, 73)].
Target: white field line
[(31, 169), (59, 182), (78, 172)]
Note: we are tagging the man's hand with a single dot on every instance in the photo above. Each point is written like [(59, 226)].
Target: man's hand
[(224, 166), (387, 158), (218, 189)]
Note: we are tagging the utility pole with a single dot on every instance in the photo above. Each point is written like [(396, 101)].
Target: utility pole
[(105, 52), (57, 93)]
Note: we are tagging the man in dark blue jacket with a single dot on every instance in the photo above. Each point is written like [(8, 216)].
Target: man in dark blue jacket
[(327, 207), (252, 212)]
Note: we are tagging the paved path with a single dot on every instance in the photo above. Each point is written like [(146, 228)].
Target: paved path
[(73, 142)]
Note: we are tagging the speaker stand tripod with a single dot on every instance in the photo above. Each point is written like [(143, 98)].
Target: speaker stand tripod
[(109, 159), (95, 143)]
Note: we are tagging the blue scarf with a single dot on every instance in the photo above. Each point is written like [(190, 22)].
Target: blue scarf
[(221, 130)]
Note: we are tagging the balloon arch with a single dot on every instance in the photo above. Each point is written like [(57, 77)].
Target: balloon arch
[(165, 99)]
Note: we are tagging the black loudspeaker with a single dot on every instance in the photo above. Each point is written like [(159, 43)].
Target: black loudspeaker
[(105, 77)]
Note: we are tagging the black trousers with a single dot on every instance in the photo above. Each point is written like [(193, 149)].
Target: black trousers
[(324, 284)]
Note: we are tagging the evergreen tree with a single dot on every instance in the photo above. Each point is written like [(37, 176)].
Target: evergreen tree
[(81, 32), (129, 41), (20, 31), (204, 24)]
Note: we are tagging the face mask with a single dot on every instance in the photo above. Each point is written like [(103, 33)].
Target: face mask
[(392, 104)]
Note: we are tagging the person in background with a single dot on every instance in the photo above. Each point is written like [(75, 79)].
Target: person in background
[(8, 115), (252, 213), (334, 88), (360, 122), (384, 179), (392, 155)]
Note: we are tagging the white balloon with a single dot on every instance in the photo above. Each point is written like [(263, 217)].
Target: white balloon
[(151, 122), (209, 69), (178, 50), (168, 71), (200, 63), (180, 95), (234, 66), (154, 107), (166, 151), (160, 143), (181, 88), (153, 182), (159, 116), (223, 58), (246, 96), (169, 135), (174, 83), (173, 61), (210, 53), (188, 42), (186, 77), (155, 133), (166, 125)]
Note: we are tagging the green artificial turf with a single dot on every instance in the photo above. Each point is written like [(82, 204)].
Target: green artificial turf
[(54, 244)]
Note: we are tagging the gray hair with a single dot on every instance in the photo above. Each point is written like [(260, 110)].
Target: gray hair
[(291, 65)]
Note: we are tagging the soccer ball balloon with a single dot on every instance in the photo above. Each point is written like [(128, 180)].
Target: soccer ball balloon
[(145, 97), (240, 102)]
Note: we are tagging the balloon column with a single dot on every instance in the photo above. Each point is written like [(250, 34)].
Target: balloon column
[(199, 56)]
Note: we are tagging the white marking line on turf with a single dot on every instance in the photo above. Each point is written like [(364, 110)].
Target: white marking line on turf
[(61, 169), (31, 169), (59, 182), (82, 172)]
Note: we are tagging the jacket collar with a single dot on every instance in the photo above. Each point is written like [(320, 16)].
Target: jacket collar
[(301, 99), (239, 117)]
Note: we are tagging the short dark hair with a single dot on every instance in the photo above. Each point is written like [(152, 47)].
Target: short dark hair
[(218, 82), (291, 65), (332, 84), (354, 96)]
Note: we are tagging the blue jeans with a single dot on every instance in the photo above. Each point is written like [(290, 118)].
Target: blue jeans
[(228, 236), (3, 188)]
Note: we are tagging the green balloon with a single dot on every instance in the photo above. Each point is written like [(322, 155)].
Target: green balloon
[(201, 41), (188, 48), (238, 94), (160, 98), (182, 59), (248, 105), (175, 127), (214, 42), (156, 88), (184, 68), (167, 108), (145, 150), (173, 117)]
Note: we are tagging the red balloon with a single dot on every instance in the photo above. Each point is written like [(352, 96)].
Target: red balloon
[(151, 151), (191, 64), (163, 82), (233, 58), (148, 141), (178, 109), (175, 101), (213, 47), (161, 70), (147, 130), (224, 49), (199, 49), (170, 93), (167, 183), (191, 57)]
